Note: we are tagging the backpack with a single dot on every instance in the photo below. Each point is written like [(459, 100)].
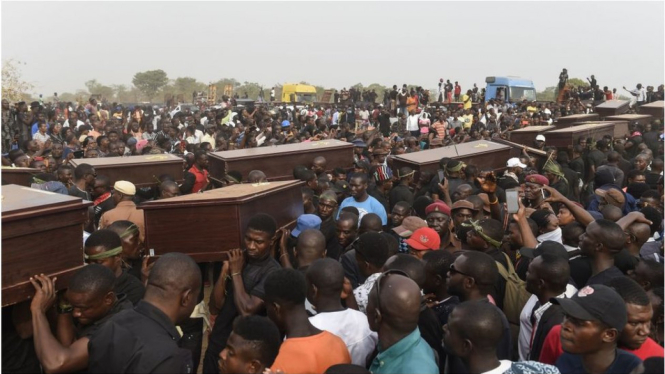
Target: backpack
[(515, 298)]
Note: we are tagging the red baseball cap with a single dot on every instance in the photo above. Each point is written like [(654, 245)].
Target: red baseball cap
[(424, 239)]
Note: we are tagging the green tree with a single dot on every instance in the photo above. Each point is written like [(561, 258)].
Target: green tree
[(549, 94), (149, 82), (577, 82)]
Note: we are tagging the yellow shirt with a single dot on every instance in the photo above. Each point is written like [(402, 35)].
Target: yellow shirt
[(467, 101)]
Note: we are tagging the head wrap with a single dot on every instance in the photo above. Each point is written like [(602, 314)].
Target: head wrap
[(110, 253)]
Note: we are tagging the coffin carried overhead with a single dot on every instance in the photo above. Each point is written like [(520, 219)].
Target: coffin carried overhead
[(143, 171), (527, 135), (568, 121), (612, 108), (20, 176), (205, 225), (641, 119), (482, 153), (277, 162), (567, 137), (655, 109), (42, 232)]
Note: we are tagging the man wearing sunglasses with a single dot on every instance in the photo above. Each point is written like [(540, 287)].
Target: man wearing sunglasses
[(393, 310), (472, 277)]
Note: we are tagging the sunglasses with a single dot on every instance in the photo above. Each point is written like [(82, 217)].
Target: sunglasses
[(383, 275), (454, 271)]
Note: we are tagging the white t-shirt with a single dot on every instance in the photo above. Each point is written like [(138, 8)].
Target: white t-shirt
[(79, 123), (412, 122), (352, 327)]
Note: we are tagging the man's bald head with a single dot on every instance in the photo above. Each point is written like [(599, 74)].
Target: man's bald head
[(256, 176), (320, 161), (172, 274), (641, 232), (311, 246), (399, 306), (412, 266)]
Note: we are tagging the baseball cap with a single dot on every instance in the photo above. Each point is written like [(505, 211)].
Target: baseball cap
[(596, 303), (424, 239), (540, 138), (409, 225), (359, 143), (340, 187), (612, 196), (306, 221), (515, 162), (548, 246), (125, 187), (286, 123)]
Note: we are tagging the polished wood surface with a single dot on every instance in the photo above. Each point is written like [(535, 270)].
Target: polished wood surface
[(567, 137), (482, 153), (42, 232), (655, 109), (620, 127), (19, 176), (527, 135), (277, 162), (612, 108), (642, 119), (568, 121), (516, 149), (143, 171), (205, 225)]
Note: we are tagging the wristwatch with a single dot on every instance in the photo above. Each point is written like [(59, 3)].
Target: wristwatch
[(64, 308)]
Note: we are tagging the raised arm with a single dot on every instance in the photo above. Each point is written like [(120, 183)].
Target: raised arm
[(580, 214)]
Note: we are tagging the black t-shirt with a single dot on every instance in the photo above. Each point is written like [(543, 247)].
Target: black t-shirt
[(605, 276), (130, 286), (577, 165), (596, 158), (18, 355), (139, 340), (624, 362), (329, 229), (393, 95), (400, 193), (74, 191), (253, 277)]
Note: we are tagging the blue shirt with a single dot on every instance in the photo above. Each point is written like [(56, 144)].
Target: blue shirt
[(35, 127), (371, 205), (409, 355), (624, 362)]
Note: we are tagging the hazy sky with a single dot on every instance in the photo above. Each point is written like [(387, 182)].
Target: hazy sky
[(334, 44)]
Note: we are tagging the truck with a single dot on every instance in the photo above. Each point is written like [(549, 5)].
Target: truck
[(514, 89), (298, 93)]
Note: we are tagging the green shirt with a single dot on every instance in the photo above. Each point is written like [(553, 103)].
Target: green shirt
[(409, 355)]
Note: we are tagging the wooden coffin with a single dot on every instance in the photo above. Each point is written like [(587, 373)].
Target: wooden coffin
[(42, 232), (527, 135), (143, 171), (516, 149), (642, 119), (567, 137), (612, 108), (655, 109), (20, 176), (204, 225), (568, 121), (481, 153), (620, 127), (277, 162)]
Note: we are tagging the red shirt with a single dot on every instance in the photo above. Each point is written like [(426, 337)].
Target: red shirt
[(201, 178), (552, 348)]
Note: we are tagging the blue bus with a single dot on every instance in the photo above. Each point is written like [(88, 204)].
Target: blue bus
[(512, 89)]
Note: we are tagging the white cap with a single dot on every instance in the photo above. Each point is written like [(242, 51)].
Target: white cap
[(540, 137), (515, 162)]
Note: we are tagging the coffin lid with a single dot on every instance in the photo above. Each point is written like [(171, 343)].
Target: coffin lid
[(586, 126), (535, 128), (452, 151), (655, 104), (128, 160), (258, 152), (238, 193), (17, 200), (613, 104)]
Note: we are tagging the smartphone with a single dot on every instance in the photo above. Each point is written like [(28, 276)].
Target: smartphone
[(78, 154), (511, 199)]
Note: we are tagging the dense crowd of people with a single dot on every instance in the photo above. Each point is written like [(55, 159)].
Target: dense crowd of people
[(389, 270)]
